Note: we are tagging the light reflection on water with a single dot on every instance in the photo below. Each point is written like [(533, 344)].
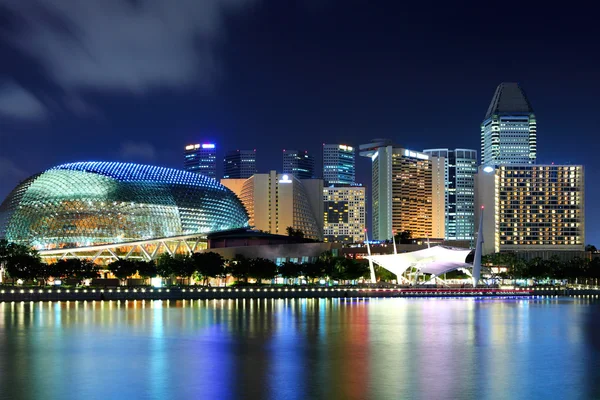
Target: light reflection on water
[(301, 349)]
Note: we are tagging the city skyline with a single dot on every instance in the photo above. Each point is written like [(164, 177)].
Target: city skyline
[(286, 88)]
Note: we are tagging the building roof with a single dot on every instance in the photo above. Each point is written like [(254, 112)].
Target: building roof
[(249, 233), (509, 98), (431, 260)]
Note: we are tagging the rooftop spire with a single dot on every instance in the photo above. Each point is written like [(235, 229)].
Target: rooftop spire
[(509, 98)]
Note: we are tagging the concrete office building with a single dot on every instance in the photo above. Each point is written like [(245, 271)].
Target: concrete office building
[(460, 168), (275, 202), (532, 209), (508, 131), (344, 214), (201, 159), (407, 191), (338, 164), (239, 164)]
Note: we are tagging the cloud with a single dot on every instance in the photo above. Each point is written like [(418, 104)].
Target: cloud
[(137, 151), (9, 171), (132, 45), (17, 102)]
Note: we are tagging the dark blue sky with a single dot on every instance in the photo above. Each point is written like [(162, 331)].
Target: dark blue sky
[(137, 80)]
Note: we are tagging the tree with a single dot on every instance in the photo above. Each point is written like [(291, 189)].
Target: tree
[(354, 270), (208, 265), (289, 270), (240, 267), (404, 237), (165, 265), (383, 274), (314, 270), (122, 269), (591, 248), (87, 270), (294, 232), (184, 266), (262, 268), (65, 268), (146, 269), (23, 265), (20, 261)]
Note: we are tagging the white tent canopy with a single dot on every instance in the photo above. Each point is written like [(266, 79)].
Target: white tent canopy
[(434, 260)]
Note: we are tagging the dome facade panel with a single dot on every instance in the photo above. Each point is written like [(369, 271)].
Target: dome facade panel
[(93, 203)]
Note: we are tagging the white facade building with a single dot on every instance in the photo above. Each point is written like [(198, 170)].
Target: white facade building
[(277, 201)]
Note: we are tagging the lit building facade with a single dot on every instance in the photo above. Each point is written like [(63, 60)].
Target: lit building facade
[(460, 168), (300, 164), (344, 214), (239, 164), (532, 208), (275, 202), (407, 191), (201, 159), (87, 204), (508, 132), (338, 164)]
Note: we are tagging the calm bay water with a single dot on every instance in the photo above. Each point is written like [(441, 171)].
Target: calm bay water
[(302, 349)]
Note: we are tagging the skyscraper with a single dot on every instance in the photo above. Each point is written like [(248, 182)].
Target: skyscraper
[(239, 164), (460, 168), (338, 164), (407, 191), (298, 163), (508, 132), (533, 209), (202, 159)]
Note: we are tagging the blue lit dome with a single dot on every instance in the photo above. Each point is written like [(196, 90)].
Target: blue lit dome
[(92, 203)]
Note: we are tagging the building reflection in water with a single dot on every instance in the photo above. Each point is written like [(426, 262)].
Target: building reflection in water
[(301, 348)]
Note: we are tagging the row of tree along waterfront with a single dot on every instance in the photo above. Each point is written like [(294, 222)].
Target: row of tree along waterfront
[(544, 271), (22, 263)]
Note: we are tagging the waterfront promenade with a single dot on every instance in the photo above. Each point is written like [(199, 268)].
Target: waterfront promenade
[(8, 294)]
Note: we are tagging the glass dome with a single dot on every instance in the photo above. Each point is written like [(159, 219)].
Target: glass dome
[(92, 203)]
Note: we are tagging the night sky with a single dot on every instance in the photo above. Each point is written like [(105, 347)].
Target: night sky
[(137, 80)]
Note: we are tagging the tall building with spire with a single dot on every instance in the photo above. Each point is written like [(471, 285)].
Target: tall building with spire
[(508, 132)]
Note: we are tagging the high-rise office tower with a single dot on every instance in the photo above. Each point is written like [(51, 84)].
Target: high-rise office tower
[(277, 201), (344, 214), (338, 164), (407, 191), (298, 163), (460, 168), (535, 209), (239, 164), (508, 132), (202, 159)]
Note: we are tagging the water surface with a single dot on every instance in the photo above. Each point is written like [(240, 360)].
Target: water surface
[(302, 349)]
